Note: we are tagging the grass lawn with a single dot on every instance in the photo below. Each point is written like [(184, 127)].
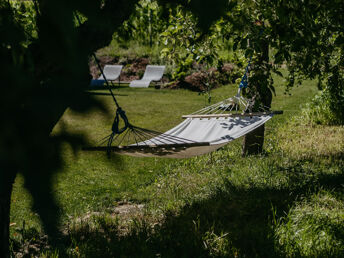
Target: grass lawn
[(288, 202)]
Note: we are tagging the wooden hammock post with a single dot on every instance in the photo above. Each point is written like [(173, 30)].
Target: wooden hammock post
[(253, 141)]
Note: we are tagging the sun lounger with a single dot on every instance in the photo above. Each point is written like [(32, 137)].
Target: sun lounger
[(111, 72), (152, 73)]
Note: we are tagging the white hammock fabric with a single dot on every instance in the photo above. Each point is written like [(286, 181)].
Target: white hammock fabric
[(211, 134)]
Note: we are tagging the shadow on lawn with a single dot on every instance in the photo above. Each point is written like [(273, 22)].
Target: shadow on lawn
[(104, 94), (233, 222)]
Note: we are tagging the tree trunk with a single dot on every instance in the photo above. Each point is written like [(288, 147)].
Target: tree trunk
[(6, 183), (253, 141), (259, 87)]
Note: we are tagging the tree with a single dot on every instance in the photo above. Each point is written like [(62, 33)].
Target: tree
[(305, 36), (186, 44), (43, 75), (146, 17)]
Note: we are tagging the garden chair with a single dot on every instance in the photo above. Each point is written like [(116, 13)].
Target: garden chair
[(111, 72), (152, 73)]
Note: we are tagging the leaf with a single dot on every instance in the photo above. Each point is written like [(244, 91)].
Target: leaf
[(165, 50), (279, 57), (272, 88), (340, 40), (278, 73), (236, 41), (248, 52)]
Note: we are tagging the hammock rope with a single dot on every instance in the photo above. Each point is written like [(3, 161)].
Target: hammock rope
[(233, 112), (131, 135), (120, 113), (137, 141)]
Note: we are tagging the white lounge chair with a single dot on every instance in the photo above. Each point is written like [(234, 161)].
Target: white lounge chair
[(111, 72), (152, 73)]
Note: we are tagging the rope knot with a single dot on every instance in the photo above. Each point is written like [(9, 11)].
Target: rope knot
[(120, 113)]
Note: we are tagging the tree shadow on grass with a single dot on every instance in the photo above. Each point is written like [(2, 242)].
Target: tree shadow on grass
[(104, 94), (233, 222)]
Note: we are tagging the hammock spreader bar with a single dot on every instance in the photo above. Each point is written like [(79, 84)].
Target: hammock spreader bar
[(145, 147), (277, 112)]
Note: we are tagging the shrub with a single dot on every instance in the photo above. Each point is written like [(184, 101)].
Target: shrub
[(205, 80), (325, 110)]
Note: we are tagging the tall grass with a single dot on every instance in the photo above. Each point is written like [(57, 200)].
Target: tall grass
[(313, 227)]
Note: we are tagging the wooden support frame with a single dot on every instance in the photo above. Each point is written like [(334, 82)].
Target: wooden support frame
[(277, 112)]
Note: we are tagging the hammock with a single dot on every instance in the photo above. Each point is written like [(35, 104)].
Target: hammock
[(201, 132)]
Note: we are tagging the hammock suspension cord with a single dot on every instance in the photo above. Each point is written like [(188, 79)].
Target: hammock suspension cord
[(133, 139), (120, 113), (130, 135)]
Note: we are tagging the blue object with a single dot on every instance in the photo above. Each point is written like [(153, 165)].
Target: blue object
[(97, 83), (244, 81)]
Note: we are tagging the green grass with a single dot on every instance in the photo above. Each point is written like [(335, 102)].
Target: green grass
[(318, 221), (216, 205)]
